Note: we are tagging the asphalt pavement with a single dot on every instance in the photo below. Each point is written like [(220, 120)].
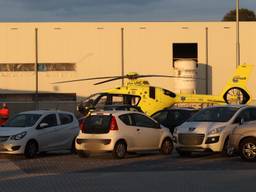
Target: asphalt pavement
[(138, 172)]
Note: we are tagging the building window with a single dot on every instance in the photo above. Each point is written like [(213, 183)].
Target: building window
[(184, 51), (4, 67), (18, 67), (56, 67)]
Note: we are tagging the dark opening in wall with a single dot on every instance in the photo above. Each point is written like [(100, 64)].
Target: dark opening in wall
[(185, 51), (18, 67)]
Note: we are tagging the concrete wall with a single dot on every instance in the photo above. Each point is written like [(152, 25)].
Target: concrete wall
[(96, 49)]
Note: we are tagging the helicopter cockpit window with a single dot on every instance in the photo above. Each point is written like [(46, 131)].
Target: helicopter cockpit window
[(87, 104), (135, 100), (91, 98), (123, 99), (169, 93), (117, 99), (102, 101), (152, 92)]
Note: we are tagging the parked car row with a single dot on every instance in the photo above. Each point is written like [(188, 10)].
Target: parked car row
[(229, 129)]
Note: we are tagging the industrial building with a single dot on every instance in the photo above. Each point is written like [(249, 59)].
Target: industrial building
[(73, 50)]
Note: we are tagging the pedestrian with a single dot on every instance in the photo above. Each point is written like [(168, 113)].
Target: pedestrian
[(4, 114)]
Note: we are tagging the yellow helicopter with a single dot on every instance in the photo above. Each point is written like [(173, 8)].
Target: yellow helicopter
[(151, 99)]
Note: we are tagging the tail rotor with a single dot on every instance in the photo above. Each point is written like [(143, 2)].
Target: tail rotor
[(236, 92)]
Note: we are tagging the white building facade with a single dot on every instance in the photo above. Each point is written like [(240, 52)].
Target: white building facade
[(73, 50)]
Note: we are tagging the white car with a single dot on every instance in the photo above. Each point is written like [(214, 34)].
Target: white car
[(210, 128), (32, 132), (120, 132)]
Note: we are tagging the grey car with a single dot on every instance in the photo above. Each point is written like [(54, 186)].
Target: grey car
[(173, 117), (243, 140), (210, 129)]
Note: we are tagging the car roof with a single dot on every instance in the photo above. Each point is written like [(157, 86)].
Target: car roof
[(176, 109), (117, 112), (182, 109), (42, 112)]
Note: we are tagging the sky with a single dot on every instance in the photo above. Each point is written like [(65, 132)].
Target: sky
[(118, 10)]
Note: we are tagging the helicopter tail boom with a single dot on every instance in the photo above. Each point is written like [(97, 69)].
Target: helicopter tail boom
[(235, 91)]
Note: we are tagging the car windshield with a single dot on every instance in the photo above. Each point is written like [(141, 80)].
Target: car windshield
[(23, 120), (217, 114)]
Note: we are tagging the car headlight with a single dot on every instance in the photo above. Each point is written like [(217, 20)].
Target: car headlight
[(216, 131), (19, 136)]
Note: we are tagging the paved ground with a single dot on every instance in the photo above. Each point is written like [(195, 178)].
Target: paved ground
[(143, 172)]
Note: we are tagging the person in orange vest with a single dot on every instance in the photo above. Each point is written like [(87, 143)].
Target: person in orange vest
[(4, 114)]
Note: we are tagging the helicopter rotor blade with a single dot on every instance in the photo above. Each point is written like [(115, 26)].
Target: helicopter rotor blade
[(85, 79), (168, 76), (113, 79), (128, 76), (138, 76)]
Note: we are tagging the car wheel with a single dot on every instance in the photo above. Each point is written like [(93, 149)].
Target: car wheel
[(120, 150), (248, 149), (183, 153), (226, 151), (166, 147), (31, 149), (83, 154)]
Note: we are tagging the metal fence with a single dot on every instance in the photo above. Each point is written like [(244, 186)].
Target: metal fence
[(49, 101)]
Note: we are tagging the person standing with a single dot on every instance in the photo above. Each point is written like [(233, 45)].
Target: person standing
[(4, 114)]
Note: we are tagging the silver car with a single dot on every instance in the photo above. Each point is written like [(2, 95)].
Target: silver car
[(32, 132), (120, 132), (243, 139), (210, 129)]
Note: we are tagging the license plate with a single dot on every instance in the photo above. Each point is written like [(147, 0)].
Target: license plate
[(93, 146)]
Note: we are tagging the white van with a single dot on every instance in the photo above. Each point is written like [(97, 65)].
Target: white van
[(209, 129)]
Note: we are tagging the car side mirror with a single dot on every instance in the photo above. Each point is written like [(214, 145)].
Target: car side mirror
[(158, 126), (43, 125), (239, 120)]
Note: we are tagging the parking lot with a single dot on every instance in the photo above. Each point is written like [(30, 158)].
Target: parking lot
[(147, 171), (143, 171)]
